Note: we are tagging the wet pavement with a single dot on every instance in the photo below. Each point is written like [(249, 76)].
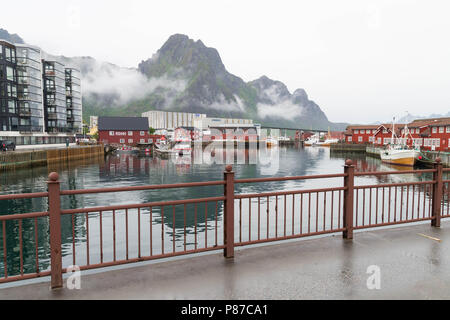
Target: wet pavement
[(412, 266)]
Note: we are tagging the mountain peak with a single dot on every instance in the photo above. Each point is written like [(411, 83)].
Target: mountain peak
[(14, 38)]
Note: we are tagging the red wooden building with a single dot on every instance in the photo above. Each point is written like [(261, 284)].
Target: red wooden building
[(429, 134), (128, 131)]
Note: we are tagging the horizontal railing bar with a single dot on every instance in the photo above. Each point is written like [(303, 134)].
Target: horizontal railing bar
[(446, 169), (393, 223), (381, 173), (25, 276), (295, 236), (402, 184), (318, 176), (270, 194), (24, 195), (146, 258), (142, 205), (19, 216), (140, 188)]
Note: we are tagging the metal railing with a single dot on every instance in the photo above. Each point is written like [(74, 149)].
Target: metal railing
[(247, 218)]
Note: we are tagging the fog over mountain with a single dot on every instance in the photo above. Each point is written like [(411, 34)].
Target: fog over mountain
[(186, 75)]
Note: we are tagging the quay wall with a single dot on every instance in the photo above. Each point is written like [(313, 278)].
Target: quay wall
[(31, 158), (345, 147)]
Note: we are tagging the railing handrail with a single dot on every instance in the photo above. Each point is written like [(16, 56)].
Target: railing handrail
[(382, 173), (24, 195), (399, 184), (142, 205), (317, 176), (282, 193), (146, 187)]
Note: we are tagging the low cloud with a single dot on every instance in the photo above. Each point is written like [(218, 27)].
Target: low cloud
[(223, 104), (279, 104)]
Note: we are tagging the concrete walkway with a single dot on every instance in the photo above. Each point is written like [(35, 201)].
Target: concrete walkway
[(412, 266)]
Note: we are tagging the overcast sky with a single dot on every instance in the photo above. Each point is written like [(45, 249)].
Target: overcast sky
[(359, 60)]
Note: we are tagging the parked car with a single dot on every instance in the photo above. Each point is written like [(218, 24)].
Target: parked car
[(6, 145)]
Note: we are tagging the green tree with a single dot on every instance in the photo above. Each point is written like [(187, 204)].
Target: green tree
[(151, 130)]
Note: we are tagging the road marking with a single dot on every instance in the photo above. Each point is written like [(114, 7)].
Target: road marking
[(429, 237)]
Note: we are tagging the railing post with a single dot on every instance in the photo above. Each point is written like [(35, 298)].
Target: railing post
[(54, 209), (349, 180), (228, 252), (437, 193)]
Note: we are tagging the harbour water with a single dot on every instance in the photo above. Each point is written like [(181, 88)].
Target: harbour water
[(132, 170)]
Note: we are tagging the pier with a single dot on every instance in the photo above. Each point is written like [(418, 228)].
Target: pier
[(247, 219)]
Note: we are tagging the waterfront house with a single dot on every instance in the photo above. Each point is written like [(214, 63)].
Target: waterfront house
[(429, 134), (128, 131), (360, 133)]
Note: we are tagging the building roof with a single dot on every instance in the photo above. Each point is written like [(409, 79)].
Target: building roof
[(123, 123), (362, 126), (429, 122)]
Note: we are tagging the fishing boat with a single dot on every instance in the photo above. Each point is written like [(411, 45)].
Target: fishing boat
[(180, 149), (271, 141), (312, 141), (399, 153)]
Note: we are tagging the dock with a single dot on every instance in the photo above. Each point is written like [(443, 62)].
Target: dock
[(412, 266)]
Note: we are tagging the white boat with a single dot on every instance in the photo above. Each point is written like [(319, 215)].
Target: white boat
[(399, 153), (270, 141), (182, 148)]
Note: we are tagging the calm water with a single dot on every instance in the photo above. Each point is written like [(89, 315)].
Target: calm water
[(132, 170)]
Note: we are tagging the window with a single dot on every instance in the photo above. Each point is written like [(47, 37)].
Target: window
[(142, 140), (434, 130), (448, 129), (130, 133), (111, 133), (356, 131), (359, 139), (385, 131), (417, 142), (373, 131), (417, 130), (142, 133), (11, 106), (150, 140), (371, 138), (368, 131), (379, 140), (441, 129), (387, 140), (122, 140), (10, 73)]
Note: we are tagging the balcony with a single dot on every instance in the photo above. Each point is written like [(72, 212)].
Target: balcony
[(52, 115), (25, 113), (50, 102), (49, 72), (50, 88), (68, 93)]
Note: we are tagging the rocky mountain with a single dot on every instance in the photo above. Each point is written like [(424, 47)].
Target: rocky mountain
[(14, 38), (185, 75), (210, 88)]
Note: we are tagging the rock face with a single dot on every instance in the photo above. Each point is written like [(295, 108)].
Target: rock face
[(14, 38), (211, 89)]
